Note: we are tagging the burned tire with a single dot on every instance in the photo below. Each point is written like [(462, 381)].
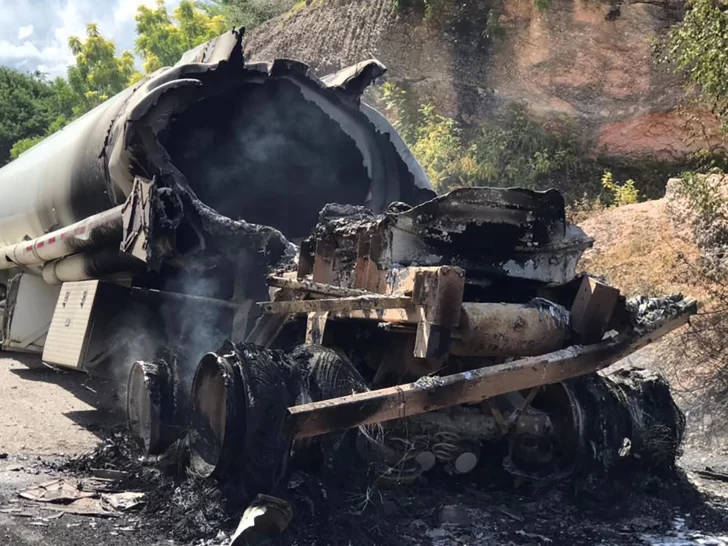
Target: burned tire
[(325, 374), (603, 425), (240, 398), (269, 383)]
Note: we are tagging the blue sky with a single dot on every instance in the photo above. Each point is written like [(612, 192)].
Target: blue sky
[(34, 33)]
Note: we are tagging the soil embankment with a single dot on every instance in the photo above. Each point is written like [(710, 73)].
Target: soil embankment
[(588, 64)]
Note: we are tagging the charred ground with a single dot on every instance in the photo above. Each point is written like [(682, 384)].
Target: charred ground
[(485, 508)]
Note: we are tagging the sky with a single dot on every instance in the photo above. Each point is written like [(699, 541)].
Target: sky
[(34, 33)]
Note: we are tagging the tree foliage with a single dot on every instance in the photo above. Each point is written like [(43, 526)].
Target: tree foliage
[(24, 144), (98, 74), (163, 38), (514, 151), (30, 106), (699, 47), (621, 194)]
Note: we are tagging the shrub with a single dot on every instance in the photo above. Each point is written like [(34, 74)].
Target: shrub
[(703, 192), (697, 47), (516, 150), (621, 194)]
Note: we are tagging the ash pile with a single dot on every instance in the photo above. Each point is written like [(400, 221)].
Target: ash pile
[(441, 341)]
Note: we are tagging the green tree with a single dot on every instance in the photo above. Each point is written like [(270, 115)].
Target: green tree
[(29, 106), (513, 151), (98, 73), (163, 38), (621, 194), (699, 47), (439, 148), (435, 140), (24, 144)]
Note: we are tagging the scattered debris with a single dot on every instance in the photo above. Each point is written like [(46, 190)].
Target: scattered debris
[(266, 516), (542, 538), (110, 474), (453, 515), (82, 497), (642, 524), (711, 474), (16, 512), (511, 513), (85, 507), (428, 382), (645, 310), (59, 491), (59, 515), (123, 502)]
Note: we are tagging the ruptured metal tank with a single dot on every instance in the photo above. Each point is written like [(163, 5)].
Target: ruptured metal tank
[(267, 143)]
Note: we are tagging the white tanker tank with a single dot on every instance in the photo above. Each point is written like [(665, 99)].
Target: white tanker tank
[(165, 186)]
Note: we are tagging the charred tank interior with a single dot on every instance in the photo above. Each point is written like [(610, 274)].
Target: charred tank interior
[(264, 153), (267, 151)]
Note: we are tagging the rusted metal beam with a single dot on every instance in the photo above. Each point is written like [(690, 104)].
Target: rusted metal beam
[(592, 309), (441, 293), (428, 394), (323, 263), (315, 328), (302, 285), (268, 326), (439, 296), (360, 303)]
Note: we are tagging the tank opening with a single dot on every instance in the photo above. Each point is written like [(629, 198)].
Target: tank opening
[(264, 154)]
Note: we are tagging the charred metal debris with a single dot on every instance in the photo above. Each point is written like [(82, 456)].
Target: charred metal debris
[(421, 340), (408, 332)]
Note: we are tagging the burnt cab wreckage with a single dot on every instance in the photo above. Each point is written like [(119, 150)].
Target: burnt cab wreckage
[(219, 200)]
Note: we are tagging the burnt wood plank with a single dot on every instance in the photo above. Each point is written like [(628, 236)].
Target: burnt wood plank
[(434, 393)]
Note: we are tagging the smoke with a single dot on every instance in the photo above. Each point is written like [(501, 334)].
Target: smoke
[(270, 158), (134, 335), (194, 327), (261, 153)]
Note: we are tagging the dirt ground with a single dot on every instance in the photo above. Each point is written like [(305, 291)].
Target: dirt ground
[(48, 417), (38, 403)]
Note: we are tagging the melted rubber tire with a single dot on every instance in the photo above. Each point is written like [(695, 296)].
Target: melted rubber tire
[(267, 379)]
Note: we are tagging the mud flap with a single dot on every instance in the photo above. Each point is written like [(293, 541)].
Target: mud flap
[(28, 311)]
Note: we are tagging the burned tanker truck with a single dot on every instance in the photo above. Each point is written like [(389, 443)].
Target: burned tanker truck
[(256, 256)]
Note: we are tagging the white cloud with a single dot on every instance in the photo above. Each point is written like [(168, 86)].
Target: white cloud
[(43, 28), (24, 32), (126, 9), (52, 60), (14, 51), (71, 23)]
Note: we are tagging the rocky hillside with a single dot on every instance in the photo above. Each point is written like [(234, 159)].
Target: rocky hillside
[(589, 62)]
